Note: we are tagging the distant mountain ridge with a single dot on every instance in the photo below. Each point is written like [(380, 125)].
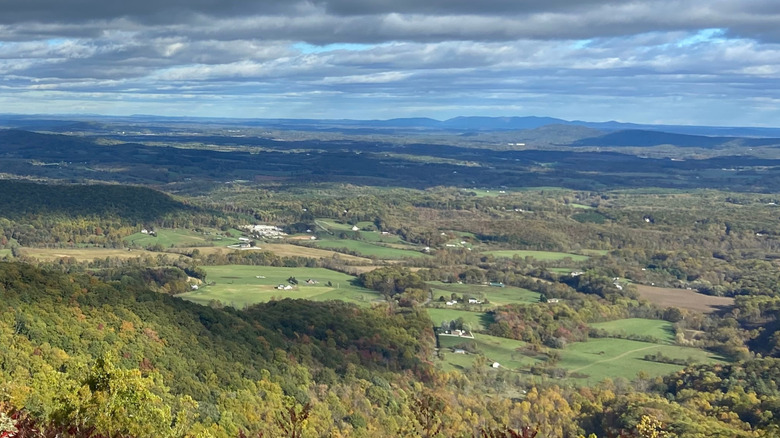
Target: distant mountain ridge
[(645, 138), (66, 123)]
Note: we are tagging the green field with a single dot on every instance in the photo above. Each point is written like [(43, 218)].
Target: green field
[(333, 225), (483, 193), (368, 249), (561, 270), (497, 296), (477, 320), (5, 252), (238, 286), (180, 237), (538, 255), (661, 330), (375, 236), (495, 349), (599, 359)]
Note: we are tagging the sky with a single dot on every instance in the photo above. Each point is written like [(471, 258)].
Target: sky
[(702, 62)]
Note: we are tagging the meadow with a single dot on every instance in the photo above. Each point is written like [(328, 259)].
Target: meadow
[(591, 361), (663, 331), (497, 296), (598, 359), (477, 320), (494, 349), (367, 249), (181, 237), (240, 286), (83, 254)]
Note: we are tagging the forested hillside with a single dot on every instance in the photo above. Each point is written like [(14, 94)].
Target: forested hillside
[(93, 358)]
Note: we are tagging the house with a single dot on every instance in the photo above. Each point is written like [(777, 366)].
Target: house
[(496, 364), (310, 281), (553, 300), (243, 239), (474, 301), (576, 273), (355, 228), (144, 231), (194, 287), (280, 287), (288, 287), (459, 351), (496, 284), (451, 303)]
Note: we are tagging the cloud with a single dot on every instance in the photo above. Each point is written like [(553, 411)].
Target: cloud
[(372, 58)]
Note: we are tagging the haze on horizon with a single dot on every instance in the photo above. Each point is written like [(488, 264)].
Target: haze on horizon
[(700, 62)]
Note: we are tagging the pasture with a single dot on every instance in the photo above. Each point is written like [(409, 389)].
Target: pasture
[(661, 330), (598, 359), (179, 237), (542, 256), (240, 286), (477, 320), (683, 298), (497, 296), (494, 349), (84, 254), (367, 249), (287, 250)]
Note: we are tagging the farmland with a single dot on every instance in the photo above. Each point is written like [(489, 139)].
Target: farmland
[(83, 254), (179, 237), (591, 361), (494, 349), (240, 286), (683, 298), (367, 249), (497, 296), (661, 330), (477, 320), (598, 359)]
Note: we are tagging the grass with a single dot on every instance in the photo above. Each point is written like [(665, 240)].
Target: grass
[(179, 237), (374, 236), (287, 250), (5, 252), (484, 193), (561, 270), (591, 361), (477, 320), (661, 330), (82, 254), (238, 286), (599, 359), (497, 296), (494, 349), (538, 255), (368, 249), (580, 206)]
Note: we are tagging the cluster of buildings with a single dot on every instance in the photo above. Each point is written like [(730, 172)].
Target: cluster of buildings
[(265, 231)]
